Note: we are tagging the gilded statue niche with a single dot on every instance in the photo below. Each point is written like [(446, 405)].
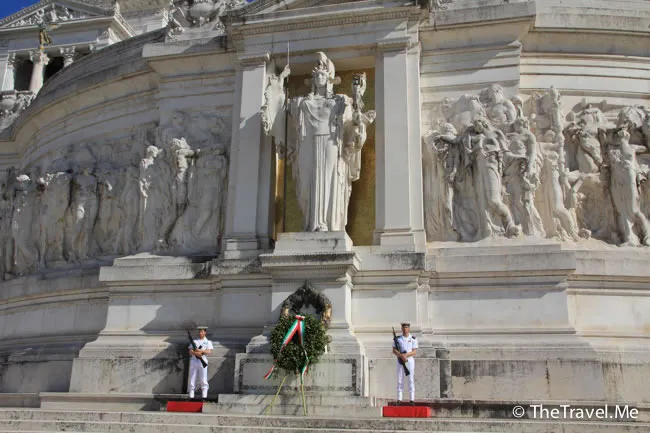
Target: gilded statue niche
[(361, 211)]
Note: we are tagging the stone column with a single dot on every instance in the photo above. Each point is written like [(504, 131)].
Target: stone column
[(247, 219), (68, 54), (399, 205), (40, 60), (10, 73)]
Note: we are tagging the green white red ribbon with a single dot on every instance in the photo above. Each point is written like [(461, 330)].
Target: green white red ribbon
[(297, 327)]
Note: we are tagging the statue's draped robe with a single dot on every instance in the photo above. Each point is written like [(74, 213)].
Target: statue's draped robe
[(323, 184)]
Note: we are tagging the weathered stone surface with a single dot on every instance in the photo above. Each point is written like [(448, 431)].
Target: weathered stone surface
[(149, 422), (334, 374), (512, 136)]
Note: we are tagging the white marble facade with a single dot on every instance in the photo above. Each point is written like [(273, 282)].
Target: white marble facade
[(510, 174)]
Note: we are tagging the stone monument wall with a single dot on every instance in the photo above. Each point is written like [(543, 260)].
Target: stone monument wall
[(514, 134)]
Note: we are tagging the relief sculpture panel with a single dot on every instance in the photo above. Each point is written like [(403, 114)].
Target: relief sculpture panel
[(500, 167), (158, 190)]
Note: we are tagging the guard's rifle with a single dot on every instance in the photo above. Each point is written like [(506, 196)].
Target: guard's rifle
[(203, 363), (398, 346)]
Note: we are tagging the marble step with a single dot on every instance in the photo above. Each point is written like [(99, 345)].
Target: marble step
[(160, 422), (321, 400), (317, 405), (291, 409)]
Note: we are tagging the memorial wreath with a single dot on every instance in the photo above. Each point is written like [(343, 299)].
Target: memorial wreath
[(296, 343)]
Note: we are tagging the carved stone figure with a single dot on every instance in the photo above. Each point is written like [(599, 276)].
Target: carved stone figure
[(54, 206), (208, 193), (462, 112), (446, 147), (633, 120), (274, 100), (624, 178), (108, 217), (484, 146), (181, 152), (547, 113), (84, 207), (323, 173), (25, 255), (129, 206), (6, 209), (552, 194), (583, 131), (523, 161), (645, 126), (157, 216), (500, 111), (177, 128)]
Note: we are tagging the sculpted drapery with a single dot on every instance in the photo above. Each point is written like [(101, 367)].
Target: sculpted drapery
[(491, 171), (325, 151)]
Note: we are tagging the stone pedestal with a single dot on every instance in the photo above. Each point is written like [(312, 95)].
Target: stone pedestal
[(152, 301), (327, 260), (334, 374)]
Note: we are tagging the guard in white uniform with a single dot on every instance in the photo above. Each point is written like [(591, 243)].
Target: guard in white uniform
[(204, 347), (408, 345)]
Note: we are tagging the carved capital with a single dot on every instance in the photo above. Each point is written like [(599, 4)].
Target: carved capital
[(12, 61), (395, 44), (37, 56), (253, 59), (68, 51), (68, 54)]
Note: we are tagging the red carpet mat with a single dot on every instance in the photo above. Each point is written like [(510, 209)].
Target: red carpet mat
[(184, 406), (406, 411)]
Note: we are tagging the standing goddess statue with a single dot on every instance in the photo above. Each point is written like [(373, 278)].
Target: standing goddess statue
[(325, 153)]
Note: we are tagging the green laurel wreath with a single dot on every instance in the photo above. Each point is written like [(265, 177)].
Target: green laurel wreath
[(292, 358)]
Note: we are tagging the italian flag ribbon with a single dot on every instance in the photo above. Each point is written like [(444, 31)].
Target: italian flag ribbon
[(297, 327)]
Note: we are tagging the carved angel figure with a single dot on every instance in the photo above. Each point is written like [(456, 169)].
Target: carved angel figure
[(327, 159)]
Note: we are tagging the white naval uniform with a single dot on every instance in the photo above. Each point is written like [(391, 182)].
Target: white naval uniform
[(196, 368), (407, 344)]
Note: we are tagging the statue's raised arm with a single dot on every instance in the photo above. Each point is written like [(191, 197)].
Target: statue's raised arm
[(274, 110)]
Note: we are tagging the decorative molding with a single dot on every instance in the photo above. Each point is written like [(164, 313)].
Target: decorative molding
[(253, 59), (239, 28), (395, 44)]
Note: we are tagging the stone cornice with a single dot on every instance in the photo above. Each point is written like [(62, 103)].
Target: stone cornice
[(238, 29), (119, 24), (395, 44), (253, 59), (506, 12)]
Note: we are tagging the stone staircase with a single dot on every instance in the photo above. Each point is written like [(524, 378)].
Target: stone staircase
[(39, 420)]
